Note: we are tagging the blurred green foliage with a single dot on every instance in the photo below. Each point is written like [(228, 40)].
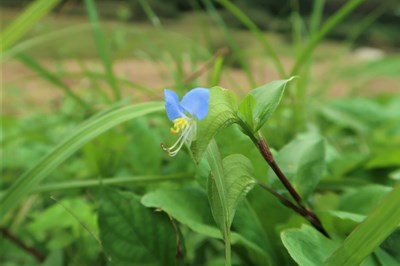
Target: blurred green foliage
[(60, 160)]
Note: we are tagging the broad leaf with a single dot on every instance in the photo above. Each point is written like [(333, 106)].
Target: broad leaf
[(238, 172), (363, 199), (190, 207), (343, 222), (303, 162), (221, 113), (307, 246), (248, 225), (267, 98), (133, 234)]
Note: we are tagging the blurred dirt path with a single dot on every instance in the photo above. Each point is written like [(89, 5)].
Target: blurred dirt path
[(21, 85)]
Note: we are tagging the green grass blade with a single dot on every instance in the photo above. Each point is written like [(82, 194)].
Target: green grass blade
[(88, 130), (24, 22), (52, 78), (229, 37), (101, 45), (298, 32), (36, 41), (331, 23), (150, 13), (217, 71), (316, 15), (257, 33), (366, 21), (111, 181), (379, 224)]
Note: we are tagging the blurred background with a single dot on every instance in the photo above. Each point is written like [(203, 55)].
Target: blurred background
[(157, 44), (64, 61)]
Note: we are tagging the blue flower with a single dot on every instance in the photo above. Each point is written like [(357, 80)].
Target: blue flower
[(184, 114)]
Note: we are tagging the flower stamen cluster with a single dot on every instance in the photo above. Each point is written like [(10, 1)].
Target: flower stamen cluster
[(179, 124), (187, 135)]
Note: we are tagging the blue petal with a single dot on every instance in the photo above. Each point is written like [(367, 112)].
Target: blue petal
[(172, 106), (196, 102)]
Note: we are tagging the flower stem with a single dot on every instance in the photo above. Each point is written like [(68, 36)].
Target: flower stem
[(228, 251)]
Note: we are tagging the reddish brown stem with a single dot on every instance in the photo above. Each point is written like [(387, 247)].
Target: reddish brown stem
[(266, 153), (298, 207), (18, 242)]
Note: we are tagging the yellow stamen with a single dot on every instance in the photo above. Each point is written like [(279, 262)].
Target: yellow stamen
[(179, 124)]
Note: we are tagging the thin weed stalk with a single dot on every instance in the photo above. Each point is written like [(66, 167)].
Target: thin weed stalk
[(101, 46)]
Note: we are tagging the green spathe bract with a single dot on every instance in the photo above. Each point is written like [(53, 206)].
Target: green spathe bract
[(222, 113)]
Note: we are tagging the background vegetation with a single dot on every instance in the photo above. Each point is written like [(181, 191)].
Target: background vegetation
[(83, 119)]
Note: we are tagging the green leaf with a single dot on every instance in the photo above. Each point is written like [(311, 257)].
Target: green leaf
[(343, 222), (363, 199), (384, 258), (43, 228), (395, 175), (229, 182), (189, 206), (307, 246), (221, 113), (379, 224), (248, 225), (238, 172), (24, 22), (86, 132), (141, 129), (303, 162), (267, 98), (246, 108), (133, 234), (391, 245), (218, 196), (385, 158), (358, 218)]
